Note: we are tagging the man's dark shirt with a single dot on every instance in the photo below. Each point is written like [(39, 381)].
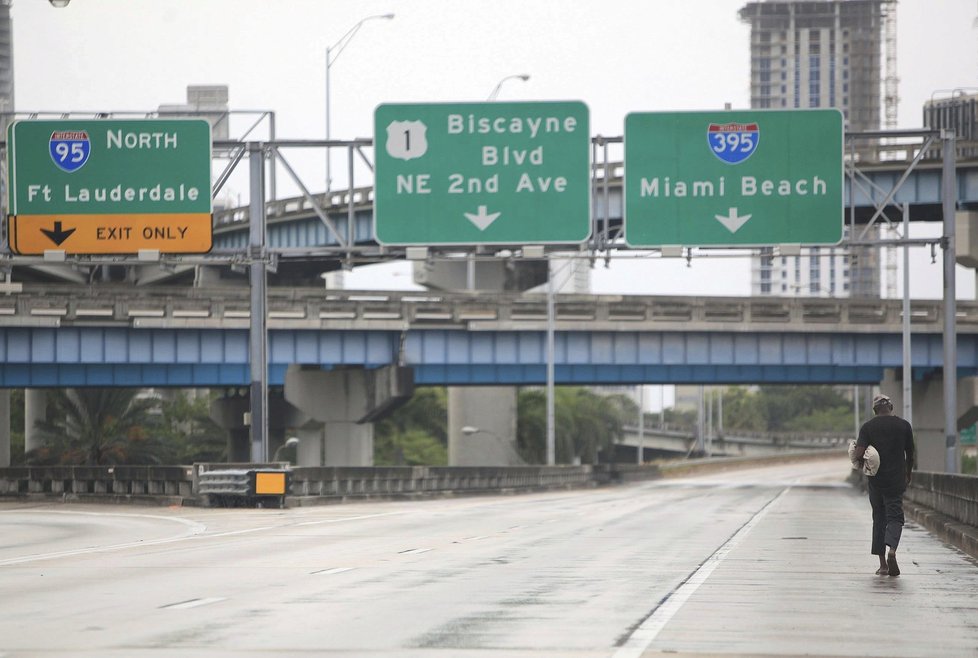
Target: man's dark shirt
[(892, 437)]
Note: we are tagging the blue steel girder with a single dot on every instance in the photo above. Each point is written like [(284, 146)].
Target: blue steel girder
[(300, 230), (188, 357)]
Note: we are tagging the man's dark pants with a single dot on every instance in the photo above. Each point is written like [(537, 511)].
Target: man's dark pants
[(887, 516)]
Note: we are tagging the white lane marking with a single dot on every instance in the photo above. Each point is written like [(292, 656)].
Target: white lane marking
[(349, 518), (414, 551), (192, 603), (193, 525), (157, 542), (328, 572), (643, 636)]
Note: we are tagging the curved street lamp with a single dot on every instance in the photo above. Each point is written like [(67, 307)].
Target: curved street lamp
[(469, 430), (333, 52), (495, 92), (291, 442)]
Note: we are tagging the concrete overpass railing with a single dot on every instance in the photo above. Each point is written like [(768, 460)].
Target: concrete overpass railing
[(947, 505), (166, 485), (316, 308), (314, 485), (162, 484)]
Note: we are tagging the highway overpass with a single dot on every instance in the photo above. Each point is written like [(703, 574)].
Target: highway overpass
[(117, 335)]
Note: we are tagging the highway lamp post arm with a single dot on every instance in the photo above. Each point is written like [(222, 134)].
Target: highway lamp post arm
[(470, 430), (495, 92), (332, 53)]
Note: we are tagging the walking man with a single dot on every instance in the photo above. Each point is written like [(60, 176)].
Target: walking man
[(892, 437)]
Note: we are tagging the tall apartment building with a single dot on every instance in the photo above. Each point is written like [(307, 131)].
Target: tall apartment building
[(6, 64), (822, 53)]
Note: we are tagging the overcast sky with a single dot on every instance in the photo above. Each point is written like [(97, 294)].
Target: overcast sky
[(617, 56)]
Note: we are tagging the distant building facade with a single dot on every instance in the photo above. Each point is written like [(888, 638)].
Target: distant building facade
[(820, 53), (6, 65), (959, 113)]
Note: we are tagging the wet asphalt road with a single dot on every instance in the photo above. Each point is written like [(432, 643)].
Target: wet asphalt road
[(761, 562)]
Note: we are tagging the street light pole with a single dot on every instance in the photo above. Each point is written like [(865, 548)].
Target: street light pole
[(551, 321), (332, 53), (495, 92)]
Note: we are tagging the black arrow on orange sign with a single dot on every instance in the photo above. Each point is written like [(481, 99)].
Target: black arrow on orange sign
[(57, 236)]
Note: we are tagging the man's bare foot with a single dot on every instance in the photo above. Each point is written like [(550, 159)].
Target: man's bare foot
[(891, 564), (883, 571)]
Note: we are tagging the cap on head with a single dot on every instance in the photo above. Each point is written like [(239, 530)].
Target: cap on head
[(882, 401)]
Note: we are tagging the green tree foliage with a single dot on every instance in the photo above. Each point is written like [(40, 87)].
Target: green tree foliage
[(784, 409), (118, 426), (585, 423), (743, 410), (830, 419), (415, 434), (797, 408), (772, 409), (531, 425), (187, 430), (414, 448), (17, 426), (97, 426)]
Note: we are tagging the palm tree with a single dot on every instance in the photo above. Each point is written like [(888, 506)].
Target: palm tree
[(97, 426), (416, 433), (585, 423)]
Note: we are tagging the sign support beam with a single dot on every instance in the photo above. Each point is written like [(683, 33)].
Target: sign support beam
[(258, 329), (949, 194)]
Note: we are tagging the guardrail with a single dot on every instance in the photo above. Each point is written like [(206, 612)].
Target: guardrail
[(315, 308), (314, 485), (233, 487), (164, 484), (947, 505), (318, 484), (209, 484)]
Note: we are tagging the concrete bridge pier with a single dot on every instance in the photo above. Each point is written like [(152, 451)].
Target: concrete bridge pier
[(231, 412), (928, 414), (35, 408), (311, 448), (345, 401), (482, 426), (491, 410), (4, 427)]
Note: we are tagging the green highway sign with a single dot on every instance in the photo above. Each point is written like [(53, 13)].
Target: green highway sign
[(109, 186), (482, 173), (968, 435), (741, 178)]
